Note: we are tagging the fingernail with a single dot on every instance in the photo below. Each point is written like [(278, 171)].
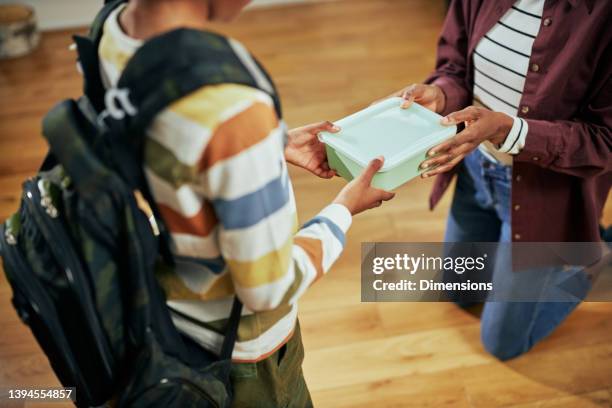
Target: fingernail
[(431, 153), (424, 165), (445, 120), (424, 175), (336, 128)]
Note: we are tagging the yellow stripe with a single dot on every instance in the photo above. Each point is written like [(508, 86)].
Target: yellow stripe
[(266, 269), (175, 289), (110, 53), (207, 106), (254, 325)]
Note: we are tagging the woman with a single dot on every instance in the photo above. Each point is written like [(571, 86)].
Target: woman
[(534, 160)]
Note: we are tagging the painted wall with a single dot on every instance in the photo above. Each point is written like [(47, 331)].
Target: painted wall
[(56, 14)]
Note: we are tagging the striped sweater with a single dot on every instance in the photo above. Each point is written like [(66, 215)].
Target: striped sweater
[(215, 164)]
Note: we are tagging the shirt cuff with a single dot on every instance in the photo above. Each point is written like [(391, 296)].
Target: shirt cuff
[(515, 141), (339, 214)]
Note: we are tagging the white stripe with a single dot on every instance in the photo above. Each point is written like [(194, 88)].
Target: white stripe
[(512, 136), (493, 103), (183, 200), (195, 246), (208, 311), (309, 273), (268, 235), (503, 56), (245, 57), (184, 138), (248, 171), (515, 142), (522, 22), (531, 6), (126, 43), (110, 73), (499, 73), (267, 296), (196, 277), (505, 36), (339, 214), (496, 89), (268, 340)]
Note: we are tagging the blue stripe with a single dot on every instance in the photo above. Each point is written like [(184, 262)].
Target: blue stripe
[(335, 229), (215, 265), (251, 208)]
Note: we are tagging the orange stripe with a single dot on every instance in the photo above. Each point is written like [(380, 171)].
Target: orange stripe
[(239, 133), (268, 354), (314, 248), (200, 224)]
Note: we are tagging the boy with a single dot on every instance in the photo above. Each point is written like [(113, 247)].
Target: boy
[(216, 165)]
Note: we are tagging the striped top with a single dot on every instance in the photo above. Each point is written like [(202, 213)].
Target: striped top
[(501, 63), (215, 164)]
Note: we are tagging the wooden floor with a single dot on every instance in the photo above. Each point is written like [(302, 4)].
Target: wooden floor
[(330, 59)]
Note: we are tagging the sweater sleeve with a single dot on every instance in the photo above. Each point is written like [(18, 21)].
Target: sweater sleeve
[(451, 63), (271, 261)]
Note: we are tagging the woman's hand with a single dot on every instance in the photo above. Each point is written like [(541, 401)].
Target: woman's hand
[(305, 150), (481, 125), (359, 195), (430, 96)]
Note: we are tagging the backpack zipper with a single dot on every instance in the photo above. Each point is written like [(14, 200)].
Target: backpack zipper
[(51, 228)]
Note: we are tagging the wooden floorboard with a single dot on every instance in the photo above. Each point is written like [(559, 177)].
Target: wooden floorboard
[(330, 59)]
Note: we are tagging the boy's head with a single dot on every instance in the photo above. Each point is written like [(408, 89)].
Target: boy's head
[(215, 10), (225, 10), (146, 18)]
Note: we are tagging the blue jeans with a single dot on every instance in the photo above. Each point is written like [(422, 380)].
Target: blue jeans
[(481, 212)]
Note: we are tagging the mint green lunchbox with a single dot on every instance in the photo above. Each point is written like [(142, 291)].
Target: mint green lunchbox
[(402, 136)]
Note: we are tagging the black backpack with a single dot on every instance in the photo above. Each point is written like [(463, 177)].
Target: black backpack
[(81, 251)]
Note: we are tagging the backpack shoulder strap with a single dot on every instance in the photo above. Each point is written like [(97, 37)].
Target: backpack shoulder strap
[(87, 48), (97, 26), (170, 66)]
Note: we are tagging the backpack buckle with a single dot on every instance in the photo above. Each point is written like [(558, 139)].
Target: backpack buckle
[(10, 238), (11, 229), (118, 106)]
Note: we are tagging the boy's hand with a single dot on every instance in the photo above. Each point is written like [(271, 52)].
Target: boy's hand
[(359, 195), (305, 150)]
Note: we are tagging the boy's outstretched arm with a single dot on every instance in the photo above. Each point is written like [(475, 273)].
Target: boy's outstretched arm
[(271, 260)]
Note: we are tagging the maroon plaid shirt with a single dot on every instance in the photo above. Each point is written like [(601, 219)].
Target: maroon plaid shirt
[(563, 175)]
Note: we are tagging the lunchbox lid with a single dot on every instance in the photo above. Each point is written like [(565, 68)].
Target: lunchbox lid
[(385, 129)]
